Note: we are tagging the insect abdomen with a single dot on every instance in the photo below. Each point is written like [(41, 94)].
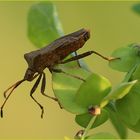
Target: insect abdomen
[(69, 48)]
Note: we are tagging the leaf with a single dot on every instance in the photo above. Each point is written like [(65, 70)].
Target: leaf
[(43, 24), (135, 127), (65, 89), (116, 121), (128, 107), (92, 91), (84, 119), (129, 57), (136, 8), (103, 135), (119, 92)]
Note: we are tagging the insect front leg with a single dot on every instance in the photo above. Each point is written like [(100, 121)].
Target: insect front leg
[(33, 90)]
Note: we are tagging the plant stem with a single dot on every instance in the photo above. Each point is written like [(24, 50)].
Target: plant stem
[(88, 127), (129, 74)]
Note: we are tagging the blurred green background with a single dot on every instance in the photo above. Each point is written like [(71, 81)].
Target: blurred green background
[(112, 25)]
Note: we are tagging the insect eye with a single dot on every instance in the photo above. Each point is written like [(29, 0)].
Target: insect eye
[(29, 74)]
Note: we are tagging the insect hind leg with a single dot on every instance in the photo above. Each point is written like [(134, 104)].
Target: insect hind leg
[(80, 56)]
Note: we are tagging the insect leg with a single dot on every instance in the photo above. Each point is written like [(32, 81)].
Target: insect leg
[(85, 55), (77, 57), (43, 88), (33, 90), (14, 87), (68, 74), (104, 57)]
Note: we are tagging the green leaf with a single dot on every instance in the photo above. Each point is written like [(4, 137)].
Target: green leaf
[(129, 57), (92, 91), (119, 92), (43, 24), (84, 119), (103, 135), (65, 89), (136, 8), (135, 127), (128, 107), (116, 121)]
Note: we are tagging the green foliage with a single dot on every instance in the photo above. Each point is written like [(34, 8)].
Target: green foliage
[(119, 92), (116, 121), (102, 136), (65, 88), (128, 108), (43, 24), (120, 105), (84, 119), (93, 91), (129, 57)]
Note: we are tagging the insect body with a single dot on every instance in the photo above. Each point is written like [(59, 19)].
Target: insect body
[(54, 53), (49, 57)]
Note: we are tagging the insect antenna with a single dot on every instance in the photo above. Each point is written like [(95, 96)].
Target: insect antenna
[(13, 87), (5, 92)]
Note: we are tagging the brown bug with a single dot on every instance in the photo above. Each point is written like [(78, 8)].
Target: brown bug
[(49, 57)]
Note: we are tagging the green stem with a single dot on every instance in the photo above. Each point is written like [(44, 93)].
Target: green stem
[(129, 74), (88, 127)]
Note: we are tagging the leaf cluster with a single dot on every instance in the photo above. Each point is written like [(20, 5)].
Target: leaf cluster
[(120, 104)]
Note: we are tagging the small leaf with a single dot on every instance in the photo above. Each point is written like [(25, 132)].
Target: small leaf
[(43, 24), (92, 91), (84, 119), (128, 107), (129, 57), (135, 127), (116, 121), (65, 89), (119, 92), (102, 135)]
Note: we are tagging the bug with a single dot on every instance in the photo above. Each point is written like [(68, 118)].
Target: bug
[(48, 57)]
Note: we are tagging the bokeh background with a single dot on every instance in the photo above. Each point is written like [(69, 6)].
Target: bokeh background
[(112, 25)]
